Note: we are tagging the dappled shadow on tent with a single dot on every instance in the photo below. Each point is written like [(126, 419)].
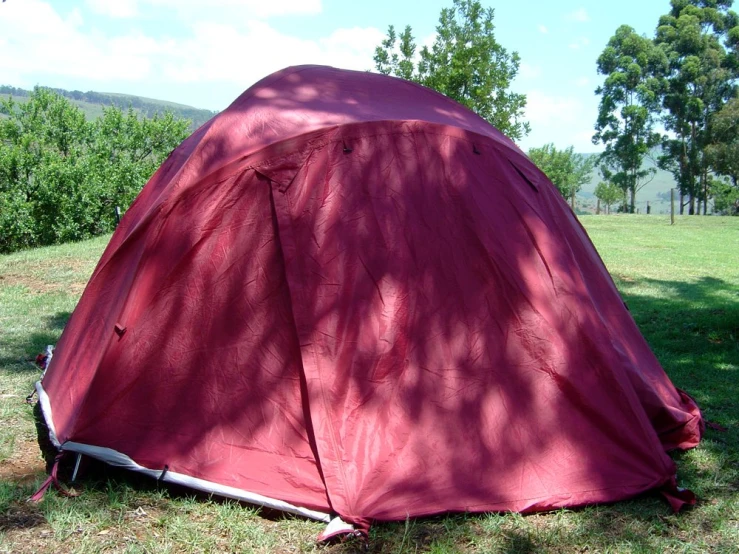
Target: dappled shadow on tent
[(477, 329)]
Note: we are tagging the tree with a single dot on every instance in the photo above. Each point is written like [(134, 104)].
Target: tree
[(726, 198), (608, 193), (465, 63), (42, 142), (699, 38), (567, 171), (628, 108), (61, 176), (126, 151), (723, 156), (723, 153)]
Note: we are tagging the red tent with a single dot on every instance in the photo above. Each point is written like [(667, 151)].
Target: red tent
[(348, 295)]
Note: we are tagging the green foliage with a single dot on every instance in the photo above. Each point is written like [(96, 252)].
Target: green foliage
[(726, 198), (567, 171), (628, 107), (61, 176), (608, 193), (465, 63), (723, 153), (699, 38)]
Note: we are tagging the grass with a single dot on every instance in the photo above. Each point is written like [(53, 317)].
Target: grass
[(681, 284)]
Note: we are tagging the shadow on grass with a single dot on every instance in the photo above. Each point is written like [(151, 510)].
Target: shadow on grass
[(26, 347), (693, 328)]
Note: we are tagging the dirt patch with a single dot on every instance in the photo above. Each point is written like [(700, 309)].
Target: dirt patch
[(25, 464), (619, 277), (35, 285), (21, 515)]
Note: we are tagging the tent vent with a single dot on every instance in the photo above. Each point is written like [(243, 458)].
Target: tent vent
[(120, 330), (523, 175)]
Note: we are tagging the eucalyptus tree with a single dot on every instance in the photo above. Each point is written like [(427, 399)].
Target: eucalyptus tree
[(723, 152), (723, 157), (629, 107), (465, 63), (699, 38)]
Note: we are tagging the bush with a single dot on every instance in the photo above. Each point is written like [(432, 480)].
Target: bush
[(62, 176)]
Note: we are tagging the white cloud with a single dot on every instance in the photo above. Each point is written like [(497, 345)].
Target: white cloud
[(582, 82), (579, 15), (216, 52), (528, 71), (543, 29), (562, 120), (583, 141), (39, 42), (542, 108), (41, 47), (428, 42), (115, 8), (580, 42), (75, 18), (231, 10)]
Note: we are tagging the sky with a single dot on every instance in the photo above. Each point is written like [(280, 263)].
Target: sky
[(205, 53)]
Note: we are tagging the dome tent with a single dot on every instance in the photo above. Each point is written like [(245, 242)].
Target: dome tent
[(347, 295)]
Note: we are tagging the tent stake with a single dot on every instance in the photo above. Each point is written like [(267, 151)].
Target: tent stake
[(76, 467)]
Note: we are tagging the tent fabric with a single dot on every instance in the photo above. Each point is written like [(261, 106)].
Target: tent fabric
[(351, 295)]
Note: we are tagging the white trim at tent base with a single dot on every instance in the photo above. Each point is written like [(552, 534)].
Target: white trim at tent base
[(118, 459), (43, 399)]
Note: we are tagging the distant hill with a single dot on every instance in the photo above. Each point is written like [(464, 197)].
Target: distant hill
[(92, 103), (656, 192)]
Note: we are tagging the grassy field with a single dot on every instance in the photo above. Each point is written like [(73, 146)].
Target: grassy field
[(681, 284)]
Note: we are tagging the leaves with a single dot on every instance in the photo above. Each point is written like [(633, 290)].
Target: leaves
[(61, 176), (698, 38), (465, 63), (609, 193), (567, 171)]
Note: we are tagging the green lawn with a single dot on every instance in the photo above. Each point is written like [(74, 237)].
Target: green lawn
[(681, 283)]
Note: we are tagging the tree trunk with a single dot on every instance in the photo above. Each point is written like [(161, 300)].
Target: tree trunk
[(705, 192)]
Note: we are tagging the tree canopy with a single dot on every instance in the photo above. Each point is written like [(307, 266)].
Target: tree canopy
[(680, 81), (567, 171), (465, 63), (609, 194), (61, 177), (627, 110), (698, 38)]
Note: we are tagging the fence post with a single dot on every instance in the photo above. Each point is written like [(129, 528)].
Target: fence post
[(672, 206)]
